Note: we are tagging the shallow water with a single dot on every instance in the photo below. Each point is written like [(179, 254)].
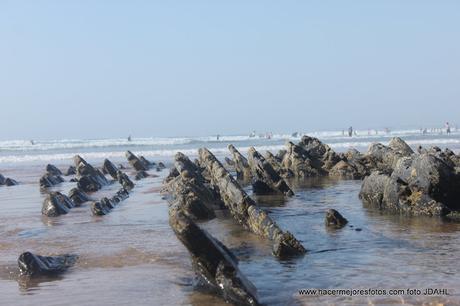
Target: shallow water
[(131, 256), (61, 150)]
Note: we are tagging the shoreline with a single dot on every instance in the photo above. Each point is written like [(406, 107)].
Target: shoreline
[(61, 153), (134, 241)]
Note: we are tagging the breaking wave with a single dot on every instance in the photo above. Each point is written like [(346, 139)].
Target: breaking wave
[(20, 151)]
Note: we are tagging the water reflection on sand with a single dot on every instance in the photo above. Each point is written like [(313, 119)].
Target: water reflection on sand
[(132, 257)]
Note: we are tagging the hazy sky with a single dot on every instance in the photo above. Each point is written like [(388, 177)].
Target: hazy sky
[(91, 69)]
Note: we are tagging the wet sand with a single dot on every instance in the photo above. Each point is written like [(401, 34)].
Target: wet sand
[(131, 256)]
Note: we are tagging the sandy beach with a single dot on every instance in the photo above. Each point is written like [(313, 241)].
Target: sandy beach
[(245, 153), (131, 256)]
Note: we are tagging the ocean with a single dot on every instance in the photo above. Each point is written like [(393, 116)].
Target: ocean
[(131, 256), (56, 151)]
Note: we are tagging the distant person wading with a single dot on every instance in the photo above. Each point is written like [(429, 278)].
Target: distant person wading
[(447, 128)]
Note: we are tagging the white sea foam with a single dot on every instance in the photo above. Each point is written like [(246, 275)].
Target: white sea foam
[(66, 144), (121, 154), (40, 145), (20, 151), (22, 145)]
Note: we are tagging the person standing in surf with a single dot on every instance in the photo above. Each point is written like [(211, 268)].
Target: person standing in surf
[(447, 128)]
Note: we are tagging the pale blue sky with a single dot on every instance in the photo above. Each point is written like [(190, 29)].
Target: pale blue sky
[(91, 69)]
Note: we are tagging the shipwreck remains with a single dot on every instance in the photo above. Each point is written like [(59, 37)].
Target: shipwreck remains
[(56, 204), (105, 205), (190, 190), (243, 172), (245, 210), (89, 179), (335, 219), (266, 179), (215, 266), (34, 265), (78, 197)]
